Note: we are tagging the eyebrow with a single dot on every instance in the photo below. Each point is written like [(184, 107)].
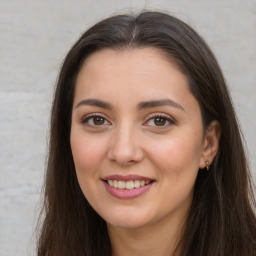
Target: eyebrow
[(159, 103), (94, 102), (141, 105)]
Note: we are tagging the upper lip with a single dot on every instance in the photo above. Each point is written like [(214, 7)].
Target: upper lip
[(126, 177)]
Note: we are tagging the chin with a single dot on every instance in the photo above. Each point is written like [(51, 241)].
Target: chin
[(126, 221), (126, 224)]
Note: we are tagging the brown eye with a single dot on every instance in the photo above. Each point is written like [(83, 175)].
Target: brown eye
[(159, 121), (97, 120)]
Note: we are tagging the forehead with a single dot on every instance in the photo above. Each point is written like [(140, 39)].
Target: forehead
[(126, 78), (145, 68), (127, 56)]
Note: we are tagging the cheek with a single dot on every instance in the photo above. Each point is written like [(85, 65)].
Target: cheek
[(177, 155), (87, 154)]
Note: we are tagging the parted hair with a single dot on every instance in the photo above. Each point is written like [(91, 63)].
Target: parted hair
[(221, 220)]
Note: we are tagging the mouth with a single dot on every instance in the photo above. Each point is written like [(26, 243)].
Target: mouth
[(127, 187), (130, 184)]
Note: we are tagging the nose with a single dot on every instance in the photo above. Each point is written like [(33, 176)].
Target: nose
[(125, 147)]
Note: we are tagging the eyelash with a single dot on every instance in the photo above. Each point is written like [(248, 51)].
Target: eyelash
[(87, 118), (165, 118)]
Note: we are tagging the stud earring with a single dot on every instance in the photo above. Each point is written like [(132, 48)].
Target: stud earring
[(207, 165)]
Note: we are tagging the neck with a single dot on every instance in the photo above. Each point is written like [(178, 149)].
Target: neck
[(155, 239)]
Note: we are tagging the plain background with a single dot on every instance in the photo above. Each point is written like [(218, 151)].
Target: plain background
[(36, 35)]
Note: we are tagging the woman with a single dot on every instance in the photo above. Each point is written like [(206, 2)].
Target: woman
[(145, 151)]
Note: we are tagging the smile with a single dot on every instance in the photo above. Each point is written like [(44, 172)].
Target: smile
[(127, 187), (130, 184)]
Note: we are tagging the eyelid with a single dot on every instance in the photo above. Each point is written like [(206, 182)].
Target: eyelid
[(85, 118), (168, 118)]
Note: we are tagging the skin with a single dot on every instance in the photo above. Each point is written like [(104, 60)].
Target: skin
[(130, 140)]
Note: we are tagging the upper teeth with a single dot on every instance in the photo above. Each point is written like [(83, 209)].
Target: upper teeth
[(130, 184)]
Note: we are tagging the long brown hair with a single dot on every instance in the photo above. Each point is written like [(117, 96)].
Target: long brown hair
[(221, 220)]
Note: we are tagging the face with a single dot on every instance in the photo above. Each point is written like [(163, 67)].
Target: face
[(136, 137)]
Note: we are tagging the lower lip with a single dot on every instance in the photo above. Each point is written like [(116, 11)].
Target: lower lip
[(127, 193)]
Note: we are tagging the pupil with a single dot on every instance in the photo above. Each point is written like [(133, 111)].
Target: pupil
[(98, 120), (159, 121)]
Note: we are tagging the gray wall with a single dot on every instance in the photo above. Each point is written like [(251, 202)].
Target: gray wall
[(35, 36)]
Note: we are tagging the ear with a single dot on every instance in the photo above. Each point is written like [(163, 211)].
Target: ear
[(210, 144)]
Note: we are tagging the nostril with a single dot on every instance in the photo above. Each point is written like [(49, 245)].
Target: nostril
[(126, 157)]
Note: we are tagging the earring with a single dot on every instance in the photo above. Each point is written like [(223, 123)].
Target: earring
[(207, 165)]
